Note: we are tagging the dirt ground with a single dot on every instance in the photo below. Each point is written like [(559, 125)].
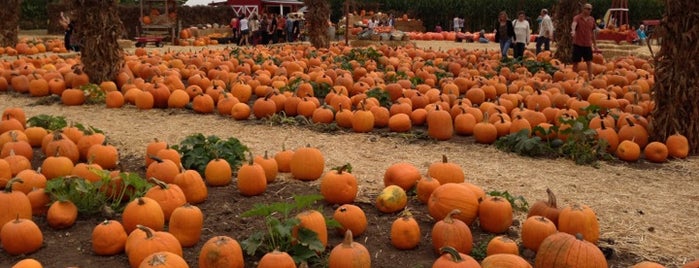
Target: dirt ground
[(644, 209)]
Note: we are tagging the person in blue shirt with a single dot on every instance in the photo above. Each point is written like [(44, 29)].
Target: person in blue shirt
[(641, 32)]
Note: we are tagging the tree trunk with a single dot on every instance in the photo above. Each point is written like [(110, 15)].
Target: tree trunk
[(676, 88), (9, 24), (317, 22), (563, 18), (98, 28)]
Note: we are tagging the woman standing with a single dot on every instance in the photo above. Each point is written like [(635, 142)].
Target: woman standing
[(254, 25), (504, 33), (244, 31), (521, 27)]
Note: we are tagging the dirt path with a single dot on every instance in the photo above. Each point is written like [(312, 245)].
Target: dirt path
[(640, 206)]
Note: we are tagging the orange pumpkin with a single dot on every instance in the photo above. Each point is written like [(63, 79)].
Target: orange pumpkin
[(108, 238), (446, 172), (451, 232), (350, 217), (502, 245), (218, 172), (402, 174), (451, 258), (276, 259), (20, 236), (251, 178), (534, 230), (504, 261), (349, 254), (186, 224), (562, 249), (338, 186), (495, 214), (425, 187), (450, 196), (307, 164), (405, 232), (221, 251), (581, 219)]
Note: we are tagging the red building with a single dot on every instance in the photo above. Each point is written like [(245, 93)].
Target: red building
[(246, 7)]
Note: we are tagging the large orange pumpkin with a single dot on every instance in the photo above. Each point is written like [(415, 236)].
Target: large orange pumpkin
[(402, 174), (450, 196), (562, 249), (221, 251), (452, 232), (307, 164)]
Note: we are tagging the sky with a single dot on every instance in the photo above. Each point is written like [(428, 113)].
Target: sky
[(200, 2)]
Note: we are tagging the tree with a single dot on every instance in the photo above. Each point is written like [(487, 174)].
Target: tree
[(563, 18), (317, 20), (9, 24), (98, 28), (676, 85)]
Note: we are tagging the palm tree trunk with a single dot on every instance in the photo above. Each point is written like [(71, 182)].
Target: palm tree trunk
[(563, 18), (676, 82), (317, 22), (9, 24), (98, 28)]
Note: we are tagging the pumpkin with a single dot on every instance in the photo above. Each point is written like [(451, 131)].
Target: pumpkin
[(452, 232), (581, 219), (391, 199), (269, 165), (451, 258), (39, 200), (20, 147), (28, 263), (450, 196), (283, 159), (186, 223), (108, 238), (169, 153), (152, 149), (349, 254), (402, 174), (192, 185), (168, 196), (56, 166), (17, 163), (691, 264), (440, 125), (656, 152), (399, 122), (20, 236), (677, 146), (276, 259), (62, 214), (425, 187), (350, 217), (251, 178), (485, 132), (221, 252), (60, 145), (162, 169), (240, 111), (647, 264), (562, 249), (314, 221), (5, 172), (363, 120), (218, 172), (446, 172), (35, 135), (405, 232), (141, 247), (104, 155), (31, 179), (504, 261), (73, 97), (90, 172), (13, 203), (548, 208), (534, 230), (163, 259), (495, 214), (307, 164), (628, 151), (501, 245), (87, 141), (338, 186), (633, 132), (143, 211)]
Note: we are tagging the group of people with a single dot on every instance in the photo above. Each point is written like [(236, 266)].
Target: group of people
[(266, 29)]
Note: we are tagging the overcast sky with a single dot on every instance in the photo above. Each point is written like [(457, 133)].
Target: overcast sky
[(200, 2)]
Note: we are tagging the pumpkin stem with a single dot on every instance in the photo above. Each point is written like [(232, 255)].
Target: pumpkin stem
[(155, 158), (448, 218), (406, 214), (250, 160), (105, 222), (266, 157), (147, 230), (579, 236), (8, 186), (631, 124), (159, 183), (347, 242), (444, 158), (453, 252), (141, 202), (552, 198)]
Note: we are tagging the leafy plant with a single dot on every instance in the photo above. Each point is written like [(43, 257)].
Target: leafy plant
[(381, 95), (518, 202), (531, 65), (480, 250), (93, 94), (48, 122), (521, 143), (197, 150), (280, 221), (320, 90), (106, 194)]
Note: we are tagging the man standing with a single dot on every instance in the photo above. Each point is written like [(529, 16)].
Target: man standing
[(457, 24), (584, 42), (545, 32)]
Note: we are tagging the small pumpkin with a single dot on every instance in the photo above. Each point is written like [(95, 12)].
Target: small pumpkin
[(647, 264), (141, 247), (163, 259), (62, 214), (20, 236), (307, 164), (495, 214), (192, 185), (628, 151), (28, 263), (440, 125), (152, 149), (578, 218), (283, 159), (143, 211), (547, 208), (56, 166), (534, 230), (656, 152), (162, 169), (450, 196), (220, 252), (402, 174), (186, 223), (485, 132), (251, 178), (39, 200), (13, 203), (31, 180), (350, 217), (562, 249), (218, 172), (314, 221), (169, 196), (339, 186), (451, 258), (391, 199), (501, 245), (349, 254), (504, 261), (677, 146), (276, 259), (446, 172), (425, 187), (453, 233), (405, 232), (269, 165), (108, 238)]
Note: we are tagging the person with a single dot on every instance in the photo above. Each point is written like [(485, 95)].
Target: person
[(391, 20), (584, 41), (641, 32), (521, 28), (504, 33), (234, 29), (289, 27), (279, 31), (457, 24), (244, 31), (254, 25), (545, 32), (482, 38), (373, 22), (68, 27), (438, 28), (272, 29)]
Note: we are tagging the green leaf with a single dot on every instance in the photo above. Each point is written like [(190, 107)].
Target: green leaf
[(48, 122), (252, 243)]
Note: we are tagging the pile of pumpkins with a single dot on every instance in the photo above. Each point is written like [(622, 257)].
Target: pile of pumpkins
[(27, 47)]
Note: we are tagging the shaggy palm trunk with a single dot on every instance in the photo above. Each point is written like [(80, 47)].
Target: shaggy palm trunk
[(676, 82), (98, 27), (9, 23), (563, 18), (317, 20)]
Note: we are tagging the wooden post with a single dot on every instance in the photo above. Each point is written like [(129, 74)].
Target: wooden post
[(347, 29)]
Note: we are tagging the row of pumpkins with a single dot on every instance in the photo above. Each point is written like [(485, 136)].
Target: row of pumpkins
[(34, 46), (465, 103), (451, 201)]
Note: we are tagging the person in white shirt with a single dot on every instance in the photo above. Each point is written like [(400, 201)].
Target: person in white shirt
[(521, 26), (545, 32), (457, 24), (244, 31)]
